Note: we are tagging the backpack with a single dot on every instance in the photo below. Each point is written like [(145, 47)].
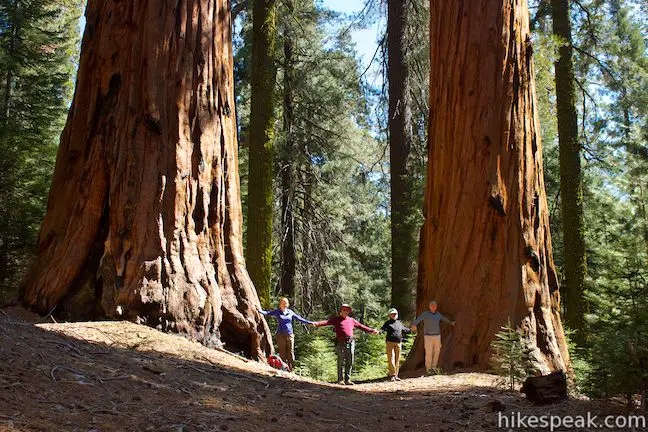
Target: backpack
[(276, 362)]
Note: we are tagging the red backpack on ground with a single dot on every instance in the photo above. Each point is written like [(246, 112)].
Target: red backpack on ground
[(276, 362)]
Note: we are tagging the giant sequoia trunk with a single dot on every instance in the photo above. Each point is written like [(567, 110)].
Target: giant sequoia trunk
[(485, 251), (571, 177), (262, 118), (144, 213), (404, 201)]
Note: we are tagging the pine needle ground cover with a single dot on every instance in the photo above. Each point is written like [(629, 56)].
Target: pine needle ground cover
[(115, 376)]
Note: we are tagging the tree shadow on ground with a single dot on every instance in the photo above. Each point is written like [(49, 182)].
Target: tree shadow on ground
[(117, 376)]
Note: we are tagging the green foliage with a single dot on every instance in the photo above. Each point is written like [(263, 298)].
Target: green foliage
[(341, 190), (620, 350), (545, 54), (316, 358), (618, 229), (612, 87), (342, 209), (612, 91), (511, 358), (581, 365), (262, 136), (370, 359), (38, 47)]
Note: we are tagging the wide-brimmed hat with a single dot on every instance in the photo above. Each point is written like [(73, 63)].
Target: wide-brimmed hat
[(345, 305), (392, 311)]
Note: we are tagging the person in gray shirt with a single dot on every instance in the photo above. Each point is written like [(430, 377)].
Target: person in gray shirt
[(431, 334)]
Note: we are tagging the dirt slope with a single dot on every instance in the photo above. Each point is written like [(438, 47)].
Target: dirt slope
[(118, 376)]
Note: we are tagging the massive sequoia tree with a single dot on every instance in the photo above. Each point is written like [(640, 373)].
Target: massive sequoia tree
[(571, 177), (485, 252), (144, 215), (404, 199)]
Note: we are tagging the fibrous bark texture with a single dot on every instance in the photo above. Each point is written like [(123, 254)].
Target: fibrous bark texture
[(485, 251), (404, 199), (571, 177), (144, 216), (258, 251)]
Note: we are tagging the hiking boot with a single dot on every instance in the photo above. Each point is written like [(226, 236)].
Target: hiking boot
[(340, 382), (349, 382), (397, 379), (393, 378)]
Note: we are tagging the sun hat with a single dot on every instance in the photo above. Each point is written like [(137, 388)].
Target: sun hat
[(346, 305), (392, 311)]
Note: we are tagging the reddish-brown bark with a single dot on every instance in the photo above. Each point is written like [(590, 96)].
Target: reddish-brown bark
[(485, 251), (144, 216)]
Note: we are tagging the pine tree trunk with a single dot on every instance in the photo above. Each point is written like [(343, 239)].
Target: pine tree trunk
[(308, 282), (288, 169), (485, 251), (7, 98), (4, 266), (8, 84), (404, 203), (144, 217), (258, 251), (571, 178)]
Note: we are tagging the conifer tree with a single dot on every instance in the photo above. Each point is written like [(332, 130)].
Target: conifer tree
[(571, 177), (38, 49), (261, 141)]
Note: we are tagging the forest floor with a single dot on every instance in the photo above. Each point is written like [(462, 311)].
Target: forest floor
[(119, 376)]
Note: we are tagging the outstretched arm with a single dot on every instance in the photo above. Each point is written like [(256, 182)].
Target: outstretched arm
[(405, 329), (364, 328), (416, 322), (302, 319), (384, 327), (322, 323), (418, 319), (446, 320), (268, 313)]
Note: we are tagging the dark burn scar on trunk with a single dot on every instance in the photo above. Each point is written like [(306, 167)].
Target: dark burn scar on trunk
[(534, 259), (153, 124), (114, 85), (496, 202)]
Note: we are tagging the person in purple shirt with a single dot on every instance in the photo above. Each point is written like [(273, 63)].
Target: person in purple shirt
[(285, 335)]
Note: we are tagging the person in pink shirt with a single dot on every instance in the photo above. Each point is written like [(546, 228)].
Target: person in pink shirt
[(344, 325)]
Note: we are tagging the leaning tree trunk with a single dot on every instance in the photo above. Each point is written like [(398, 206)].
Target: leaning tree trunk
[(404, 199), (144, 213), (485, 251), (571, 177)]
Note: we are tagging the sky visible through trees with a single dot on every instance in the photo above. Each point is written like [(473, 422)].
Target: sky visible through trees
[(331, 205), (366, 39)]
